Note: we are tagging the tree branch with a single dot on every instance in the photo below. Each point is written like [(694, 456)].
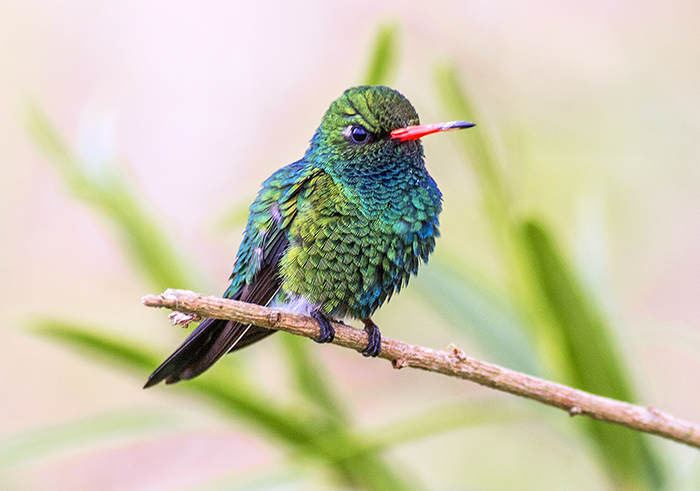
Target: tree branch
[(454, 363)]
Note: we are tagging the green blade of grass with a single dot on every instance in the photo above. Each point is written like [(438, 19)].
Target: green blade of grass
[(344, 453), (570, 335), (368, 470), (38, 443), (384, 58), (475, 144), (231, 395), (446, 418), (310, 377), (478, 150), (96, 344), (594, 364), (235, 216), (482, 315), (148, 246)]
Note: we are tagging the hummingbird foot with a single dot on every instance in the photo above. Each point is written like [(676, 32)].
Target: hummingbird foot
[(374, 344), (327, 331)]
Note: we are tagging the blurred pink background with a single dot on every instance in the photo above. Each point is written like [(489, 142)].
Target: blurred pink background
[(596, 108)]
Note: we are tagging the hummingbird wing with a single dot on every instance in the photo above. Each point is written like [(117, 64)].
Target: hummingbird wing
[(256, 279), (213, 338)]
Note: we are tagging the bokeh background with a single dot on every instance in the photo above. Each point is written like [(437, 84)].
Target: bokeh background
[(592, 111)]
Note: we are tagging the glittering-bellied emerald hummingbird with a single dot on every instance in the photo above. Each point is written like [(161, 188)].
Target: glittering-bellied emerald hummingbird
[(334, 234)]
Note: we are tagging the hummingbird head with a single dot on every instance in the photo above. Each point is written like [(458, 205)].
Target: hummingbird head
[(369, 127)]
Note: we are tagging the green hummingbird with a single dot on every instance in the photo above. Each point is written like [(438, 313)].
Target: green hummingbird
[(334, 234)]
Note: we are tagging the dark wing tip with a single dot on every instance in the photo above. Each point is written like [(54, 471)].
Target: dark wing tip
[(174, 368), (152, 381), (163, 372)]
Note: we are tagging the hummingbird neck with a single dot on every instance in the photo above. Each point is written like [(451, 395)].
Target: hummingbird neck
[(377, 181)]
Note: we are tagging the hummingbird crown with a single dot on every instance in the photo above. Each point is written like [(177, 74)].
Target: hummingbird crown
[(357, 128)]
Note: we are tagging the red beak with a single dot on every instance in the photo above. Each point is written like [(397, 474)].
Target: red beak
[(415, 132)]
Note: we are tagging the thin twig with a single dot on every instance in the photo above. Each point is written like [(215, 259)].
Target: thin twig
[(454, 363)]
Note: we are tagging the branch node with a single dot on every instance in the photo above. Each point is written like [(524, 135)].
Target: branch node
[(653, 411), (183, 319), (274, 318), (171, 295), (457, 353), (575, 411), (399, 363)]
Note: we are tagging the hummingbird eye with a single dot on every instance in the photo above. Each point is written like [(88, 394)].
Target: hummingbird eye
[(358, 134)]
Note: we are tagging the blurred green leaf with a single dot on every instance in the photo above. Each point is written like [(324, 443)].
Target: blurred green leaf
[(369, 470), (229, 393), (487, 319), (98, 345), (446, 418), (148, 246), (235, 216), (570, 334), (475, 144), (594, 364), (310, 374), (96, 429), (384, 59), (689, 479), (349, 457)]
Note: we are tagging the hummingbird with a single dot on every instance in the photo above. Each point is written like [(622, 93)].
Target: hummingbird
[(335, 234)]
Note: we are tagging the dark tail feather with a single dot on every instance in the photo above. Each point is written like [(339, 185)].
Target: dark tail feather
[(212, 339)]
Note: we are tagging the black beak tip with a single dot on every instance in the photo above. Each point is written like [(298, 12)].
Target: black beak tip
[(464, 124)]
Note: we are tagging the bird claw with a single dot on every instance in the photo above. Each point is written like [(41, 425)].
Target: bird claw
[(374, 343), (327, 332)]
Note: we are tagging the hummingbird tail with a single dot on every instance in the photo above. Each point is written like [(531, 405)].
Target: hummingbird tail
[(212, 339)]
